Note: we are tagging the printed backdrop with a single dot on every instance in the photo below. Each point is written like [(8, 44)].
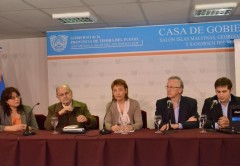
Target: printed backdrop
[(89, 60)]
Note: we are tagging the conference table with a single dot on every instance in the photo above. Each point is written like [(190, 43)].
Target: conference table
[(140, 148)]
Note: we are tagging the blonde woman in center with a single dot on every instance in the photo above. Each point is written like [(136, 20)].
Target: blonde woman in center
[(122, 106)]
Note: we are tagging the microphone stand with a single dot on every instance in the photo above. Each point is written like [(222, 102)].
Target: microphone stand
[(27, 132), (104, 130), (169, 122), (169, 116), (169, 105), (214, 103)]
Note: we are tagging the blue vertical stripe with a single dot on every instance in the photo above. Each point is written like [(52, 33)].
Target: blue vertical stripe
[(2, 84)]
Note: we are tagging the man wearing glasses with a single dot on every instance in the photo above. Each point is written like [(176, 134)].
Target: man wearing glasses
[(177, 111), (69, 111)]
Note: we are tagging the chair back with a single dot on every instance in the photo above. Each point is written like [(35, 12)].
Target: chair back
[(40, 118), (97, 119), (144, 119)]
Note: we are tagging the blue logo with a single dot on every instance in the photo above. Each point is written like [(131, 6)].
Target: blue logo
[(58, 43)]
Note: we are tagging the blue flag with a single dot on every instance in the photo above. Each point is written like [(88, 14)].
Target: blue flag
[(2, 84)]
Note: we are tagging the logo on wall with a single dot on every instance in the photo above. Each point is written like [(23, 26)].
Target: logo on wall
[(59, 42)]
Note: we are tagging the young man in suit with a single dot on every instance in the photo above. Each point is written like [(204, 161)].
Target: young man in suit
[(217, 108), (177, 111)]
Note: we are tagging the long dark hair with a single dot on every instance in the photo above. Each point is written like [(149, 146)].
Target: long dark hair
[(6, 95)]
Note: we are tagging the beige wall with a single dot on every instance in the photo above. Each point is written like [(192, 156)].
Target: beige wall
[(91, 78), (237, 65), (24, 66)]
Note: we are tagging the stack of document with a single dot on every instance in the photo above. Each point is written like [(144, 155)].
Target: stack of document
[(73, 129)]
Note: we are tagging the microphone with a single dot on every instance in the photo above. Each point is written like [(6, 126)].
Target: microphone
[(104, 130), (27, 132), (169, 103), (214, 102)]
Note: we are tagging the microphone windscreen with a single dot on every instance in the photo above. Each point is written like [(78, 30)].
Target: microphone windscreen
[(169, 102), (214, 102)]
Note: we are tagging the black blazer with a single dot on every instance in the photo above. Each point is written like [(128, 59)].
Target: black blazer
[(187, 109), (214, 113)]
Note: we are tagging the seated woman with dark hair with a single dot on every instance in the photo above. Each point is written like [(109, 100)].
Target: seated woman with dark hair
[(121, 107), (14, 115)]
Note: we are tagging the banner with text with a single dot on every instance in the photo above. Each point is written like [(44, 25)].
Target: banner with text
[(139, 39)]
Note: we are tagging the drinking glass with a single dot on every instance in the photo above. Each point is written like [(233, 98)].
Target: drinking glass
[(158, 121), (54, 122), (123, 121), (203, 120)]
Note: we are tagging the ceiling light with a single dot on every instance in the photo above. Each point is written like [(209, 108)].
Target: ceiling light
[(75, 18), (221, 9)]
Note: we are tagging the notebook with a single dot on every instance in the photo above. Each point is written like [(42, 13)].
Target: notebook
[(234, 124)]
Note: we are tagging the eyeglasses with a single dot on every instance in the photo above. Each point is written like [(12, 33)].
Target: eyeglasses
[(63, 94), (172, 87), (15, 97)]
